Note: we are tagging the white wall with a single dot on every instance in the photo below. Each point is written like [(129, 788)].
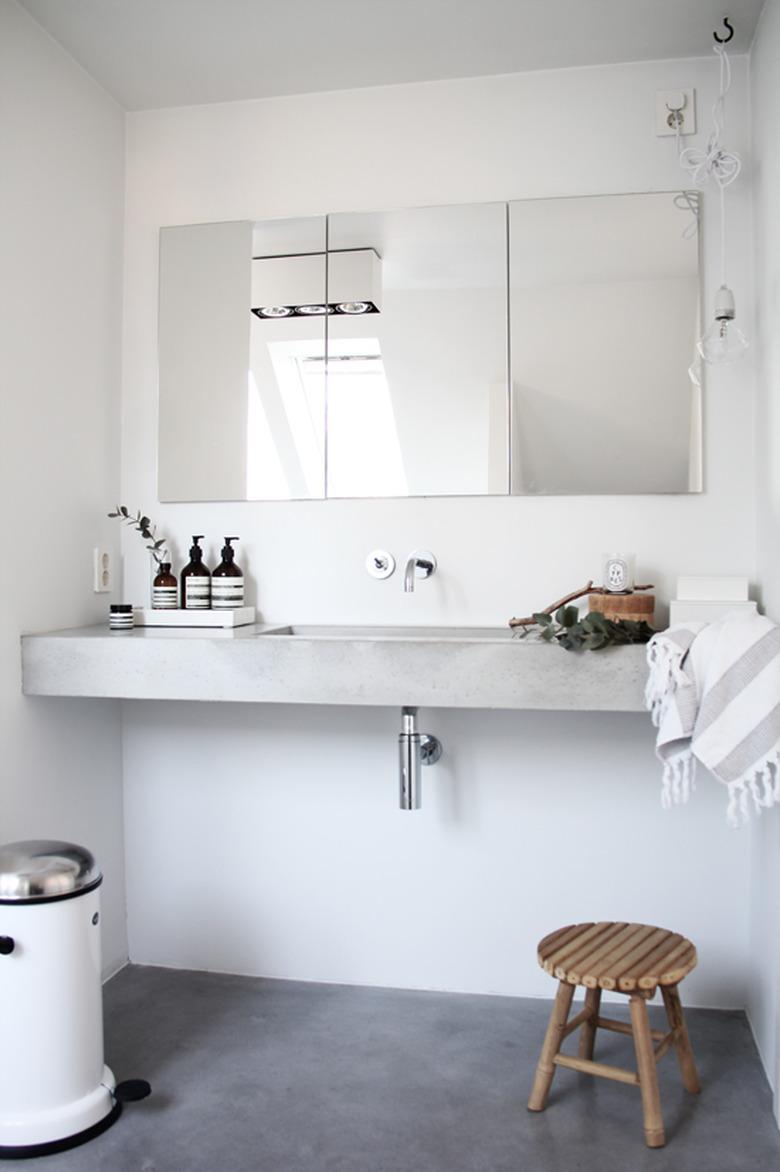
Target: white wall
[(61, 199), (287, 816), (269, 840), (765, 92)]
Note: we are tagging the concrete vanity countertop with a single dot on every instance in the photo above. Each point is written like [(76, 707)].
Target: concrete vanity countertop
[(273, 663)]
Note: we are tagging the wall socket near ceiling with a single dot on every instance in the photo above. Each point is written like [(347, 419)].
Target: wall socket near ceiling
[(101, 571), (671, 105)]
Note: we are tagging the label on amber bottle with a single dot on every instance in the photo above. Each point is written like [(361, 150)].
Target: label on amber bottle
[(227, 593), (164, 598), (197, 592)]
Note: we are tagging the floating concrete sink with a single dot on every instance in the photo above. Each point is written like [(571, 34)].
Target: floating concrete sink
[(284, 663)]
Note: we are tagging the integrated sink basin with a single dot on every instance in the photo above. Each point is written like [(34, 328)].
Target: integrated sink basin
[(428, 634), (290, 663)]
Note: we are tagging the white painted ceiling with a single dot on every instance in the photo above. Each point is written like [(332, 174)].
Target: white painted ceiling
[(152, 53)]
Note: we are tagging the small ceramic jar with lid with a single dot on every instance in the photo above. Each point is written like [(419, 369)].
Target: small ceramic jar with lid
[(120, 616)]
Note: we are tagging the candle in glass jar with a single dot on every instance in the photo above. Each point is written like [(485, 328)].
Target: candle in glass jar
[(618, 572)]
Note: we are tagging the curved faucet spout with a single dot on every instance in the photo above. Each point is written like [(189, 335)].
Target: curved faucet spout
[(409, 575)]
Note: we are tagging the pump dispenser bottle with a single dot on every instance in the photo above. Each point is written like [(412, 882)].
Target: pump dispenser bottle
[(227, 581), (195, 579)]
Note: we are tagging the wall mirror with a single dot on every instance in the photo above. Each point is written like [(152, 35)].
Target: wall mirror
[(242, 398), (604, 310), (368, 354), (424, 410)]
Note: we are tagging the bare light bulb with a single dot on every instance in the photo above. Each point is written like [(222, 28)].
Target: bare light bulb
[(724, 341)]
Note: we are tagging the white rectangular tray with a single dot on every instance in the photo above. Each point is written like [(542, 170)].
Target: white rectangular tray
[(241, 617)]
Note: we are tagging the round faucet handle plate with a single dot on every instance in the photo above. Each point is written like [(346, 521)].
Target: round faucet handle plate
[(380, 563)]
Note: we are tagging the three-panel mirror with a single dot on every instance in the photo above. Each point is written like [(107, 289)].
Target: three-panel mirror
[(540, 346)]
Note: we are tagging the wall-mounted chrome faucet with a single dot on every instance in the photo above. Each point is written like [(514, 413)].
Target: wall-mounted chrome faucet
[(421, 563), (415, 749)]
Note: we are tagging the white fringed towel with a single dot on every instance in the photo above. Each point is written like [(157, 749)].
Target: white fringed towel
[(714, 695)]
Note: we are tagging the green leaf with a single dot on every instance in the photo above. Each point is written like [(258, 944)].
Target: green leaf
[(570, 642), (591, 632), (143, 525), (596, 620)]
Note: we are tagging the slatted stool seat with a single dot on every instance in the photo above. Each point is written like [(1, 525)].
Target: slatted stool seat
[(635, 959)]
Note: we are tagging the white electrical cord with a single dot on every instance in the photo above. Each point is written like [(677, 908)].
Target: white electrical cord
[(714, 163), (688, 201)]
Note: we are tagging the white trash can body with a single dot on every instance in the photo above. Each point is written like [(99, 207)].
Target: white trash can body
[(54, 1084)]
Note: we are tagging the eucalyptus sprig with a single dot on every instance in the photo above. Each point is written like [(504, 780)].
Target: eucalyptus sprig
[(145, 527), (590, 633)]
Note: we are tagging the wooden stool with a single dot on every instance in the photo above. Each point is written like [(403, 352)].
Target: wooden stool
[(628, 958)]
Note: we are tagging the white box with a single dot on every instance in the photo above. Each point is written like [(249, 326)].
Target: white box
[(713, 588), (241, 617), (695, 611)]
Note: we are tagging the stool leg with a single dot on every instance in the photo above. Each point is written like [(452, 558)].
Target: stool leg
[(550, 1047), (589, 1027), (682, 1045), (648, 1078)]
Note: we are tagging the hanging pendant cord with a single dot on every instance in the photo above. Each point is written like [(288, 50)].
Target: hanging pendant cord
[(713, 163)]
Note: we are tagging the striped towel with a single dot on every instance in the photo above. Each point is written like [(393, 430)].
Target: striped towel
[(714, 696)]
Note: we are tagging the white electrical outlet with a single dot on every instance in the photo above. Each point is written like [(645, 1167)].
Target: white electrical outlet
[(673, 107), (101, 570)]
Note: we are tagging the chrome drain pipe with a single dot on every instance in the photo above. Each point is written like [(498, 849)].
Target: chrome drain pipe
[(415, 749)]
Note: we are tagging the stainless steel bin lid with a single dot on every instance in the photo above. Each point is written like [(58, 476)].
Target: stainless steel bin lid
[(42, 870)]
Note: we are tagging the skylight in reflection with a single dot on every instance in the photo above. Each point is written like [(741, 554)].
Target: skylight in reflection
[(364, 451)]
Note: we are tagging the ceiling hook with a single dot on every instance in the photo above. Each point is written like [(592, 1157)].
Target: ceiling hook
[(730, 27)]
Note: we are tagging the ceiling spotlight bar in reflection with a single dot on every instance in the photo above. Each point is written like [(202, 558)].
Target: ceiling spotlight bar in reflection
[(292, 286)]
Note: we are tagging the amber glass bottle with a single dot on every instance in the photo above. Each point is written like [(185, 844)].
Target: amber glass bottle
[(165, 594), (195, 579), (227, 581)]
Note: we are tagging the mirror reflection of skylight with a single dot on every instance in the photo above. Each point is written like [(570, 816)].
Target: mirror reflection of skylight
[(264, 471), (285, 424), (364, 451)]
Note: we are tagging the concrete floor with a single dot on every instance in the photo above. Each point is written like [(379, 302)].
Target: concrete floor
[(275, 1076)]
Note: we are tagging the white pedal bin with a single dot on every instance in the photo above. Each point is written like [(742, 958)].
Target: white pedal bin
[(55, 1090)]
